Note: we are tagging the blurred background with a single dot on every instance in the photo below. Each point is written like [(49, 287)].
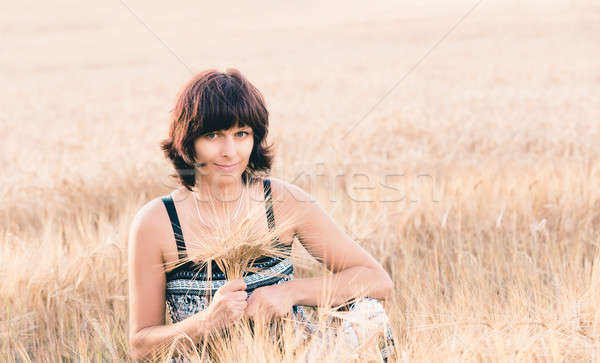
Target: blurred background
[(465, 133)]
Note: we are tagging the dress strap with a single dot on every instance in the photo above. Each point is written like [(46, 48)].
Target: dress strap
[(269, 206), (269, 203), (170, 205)]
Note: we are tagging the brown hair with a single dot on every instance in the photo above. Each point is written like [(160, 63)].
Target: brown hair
[(213, 101)]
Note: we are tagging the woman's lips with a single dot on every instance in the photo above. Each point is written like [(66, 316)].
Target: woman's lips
[(227, 167)]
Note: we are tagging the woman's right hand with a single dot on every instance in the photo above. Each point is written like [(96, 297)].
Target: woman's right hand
[(228, 304)]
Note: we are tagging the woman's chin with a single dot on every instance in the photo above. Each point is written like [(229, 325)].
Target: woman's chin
[(224, 176)]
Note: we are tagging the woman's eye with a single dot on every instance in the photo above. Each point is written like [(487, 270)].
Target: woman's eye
[(242, 132), (211, 135)]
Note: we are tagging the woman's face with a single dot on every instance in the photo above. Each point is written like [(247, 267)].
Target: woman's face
[(225, 153)]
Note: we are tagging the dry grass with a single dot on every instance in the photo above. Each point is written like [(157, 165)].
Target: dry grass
[(492, 239)]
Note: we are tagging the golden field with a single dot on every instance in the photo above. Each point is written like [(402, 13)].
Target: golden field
[(475, 182)]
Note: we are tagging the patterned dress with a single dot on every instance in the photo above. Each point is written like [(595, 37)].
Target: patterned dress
[(187, 287)]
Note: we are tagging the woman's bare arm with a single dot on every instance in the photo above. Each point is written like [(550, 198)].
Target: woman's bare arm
[(356, 272), (147, 329)]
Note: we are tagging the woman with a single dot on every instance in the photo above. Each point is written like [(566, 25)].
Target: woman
[(217, 145)]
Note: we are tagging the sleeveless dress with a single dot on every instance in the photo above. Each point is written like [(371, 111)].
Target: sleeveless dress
[(187, 287)]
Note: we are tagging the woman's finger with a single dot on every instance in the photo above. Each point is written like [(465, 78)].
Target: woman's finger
[(234, 285), (241, 295), (250, 309)]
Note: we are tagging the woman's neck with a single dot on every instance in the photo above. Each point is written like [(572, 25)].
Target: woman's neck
[(220, 192)]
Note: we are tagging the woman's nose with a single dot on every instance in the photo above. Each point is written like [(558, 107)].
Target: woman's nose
[(228, 146)]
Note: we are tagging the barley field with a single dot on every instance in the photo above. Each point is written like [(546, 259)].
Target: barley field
[(458, 142)]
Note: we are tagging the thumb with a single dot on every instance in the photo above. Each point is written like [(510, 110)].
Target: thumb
[(234, 285)]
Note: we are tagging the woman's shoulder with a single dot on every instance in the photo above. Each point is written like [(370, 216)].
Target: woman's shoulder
[(151, 218)]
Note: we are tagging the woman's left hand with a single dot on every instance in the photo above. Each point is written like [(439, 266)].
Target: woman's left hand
[(269, 302)]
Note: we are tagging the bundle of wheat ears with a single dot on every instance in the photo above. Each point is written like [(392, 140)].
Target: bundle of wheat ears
[(235, 244)]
